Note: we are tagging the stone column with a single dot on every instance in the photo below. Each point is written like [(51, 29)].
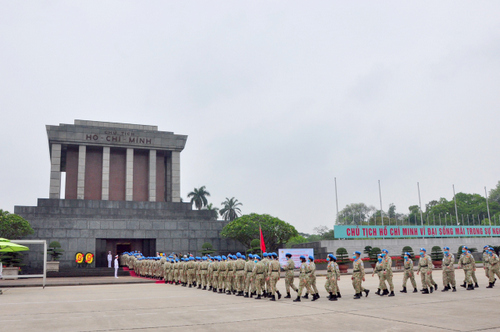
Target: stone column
[(152, 175), (105, 173), (55, 172), (176, 176), (129, 175), (80, 185)]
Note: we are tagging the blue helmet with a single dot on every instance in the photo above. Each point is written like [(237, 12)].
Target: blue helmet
[(250, 256)]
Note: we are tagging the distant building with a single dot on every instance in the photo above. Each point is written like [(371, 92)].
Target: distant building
[(122, 193)]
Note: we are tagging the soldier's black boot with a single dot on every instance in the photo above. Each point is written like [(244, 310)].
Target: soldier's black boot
[(377, 292), (287, 296), (273, 298), (315, 297), (264, 294), (279, 294), (306, 296), (476, 285), (258, 297), (333, 298), (385, 292), (445, 289), (470, 287), (392, 293), (490, 285), (338, 295), (251, 295), (166, 282), (297, 299), (228, 292), (464, 285), (454, 289), (415, 290), (425, 291), (246, 295), (330, 296), (357, 296), (366, 292), (402, 291), (431, 289), (190, 286), (435, 287), (210, 288), (205, 287)]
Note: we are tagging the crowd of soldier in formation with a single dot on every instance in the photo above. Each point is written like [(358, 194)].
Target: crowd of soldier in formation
[(237, 275)]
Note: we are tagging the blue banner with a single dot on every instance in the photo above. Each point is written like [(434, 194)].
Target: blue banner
[(367, 232)]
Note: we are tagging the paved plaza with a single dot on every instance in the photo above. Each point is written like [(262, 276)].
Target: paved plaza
[(160, 307)]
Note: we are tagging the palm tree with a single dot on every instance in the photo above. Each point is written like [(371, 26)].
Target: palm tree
[(198, 196), (211, 207), (230, 210)]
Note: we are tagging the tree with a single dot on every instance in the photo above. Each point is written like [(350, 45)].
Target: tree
[(211, 207), (296, 240), (13, 226), (230, 209), (494, 195), (244, 229), (355, 214), (55, 250), (207, 248), (199, 197)]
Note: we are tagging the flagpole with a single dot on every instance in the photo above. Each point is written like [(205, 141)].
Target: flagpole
[(455, 199), (488, 208)]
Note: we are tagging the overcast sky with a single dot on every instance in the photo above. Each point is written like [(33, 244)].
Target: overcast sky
[(277, 97)]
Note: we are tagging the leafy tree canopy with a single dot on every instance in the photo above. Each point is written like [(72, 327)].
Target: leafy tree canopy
[(199, 197), (230, 209), (244, 229), (13, 226)]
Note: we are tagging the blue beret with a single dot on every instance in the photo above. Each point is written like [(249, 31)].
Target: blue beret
[(423, 249), (330, 255), (243, 256), (465, 247), (302, 257), (250, 256), (311, 257), (357, 253), (446, 248), (238, 255), (264, 254), (288, 254), (407, 253), (224, 257), (256, 257), (385, 250), (204, 258)]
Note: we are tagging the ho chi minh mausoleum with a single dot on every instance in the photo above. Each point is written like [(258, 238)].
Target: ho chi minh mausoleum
[(122, 193)]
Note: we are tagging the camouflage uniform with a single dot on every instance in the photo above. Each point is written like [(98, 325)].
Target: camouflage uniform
[(379, 270), (274, 275), (494, 267), (424, 266), (204, 273), (230, 276), (304, 279), (331, 278), (258, 277), (486, 263), (240, 274), (289, 267), (408, 266), (449, 270), (465, 262), (473, 275), (249, 285), (222, 274), (311, 271), (387, 265), (358, 273), (190, 272), (215, 275)]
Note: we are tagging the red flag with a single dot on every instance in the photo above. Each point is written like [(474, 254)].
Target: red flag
[(262, 243)]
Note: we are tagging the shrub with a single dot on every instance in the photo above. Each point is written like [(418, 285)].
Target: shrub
[(373, 254), (408, 249), (436, 253), (342, 256), (207, 248), (55, 251)]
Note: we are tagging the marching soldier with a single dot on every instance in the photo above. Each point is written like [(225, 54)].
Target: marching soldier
[(466, 263), (230, 275), (215, 273), (387, 265), (203, 273), (222, 274), (358, 275), (448, 270), (311, 271), (486, 261), (379, 270), (408, 267), (273, 275), (494, 267), (425, 266), (304, 279), (332, 275), (240, 273), (258, 276), (289, 267), (265, 261), (249, 285)]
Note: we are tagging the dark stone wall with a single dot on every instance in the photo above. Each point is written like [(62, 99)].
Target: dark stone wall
[(76, 224)]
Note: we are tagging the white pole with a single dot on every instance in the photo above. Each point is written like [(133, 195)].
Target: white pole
[(380, 196), (336, 199), (420, 204), (455, 198), (488, 208), (44, 262)]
